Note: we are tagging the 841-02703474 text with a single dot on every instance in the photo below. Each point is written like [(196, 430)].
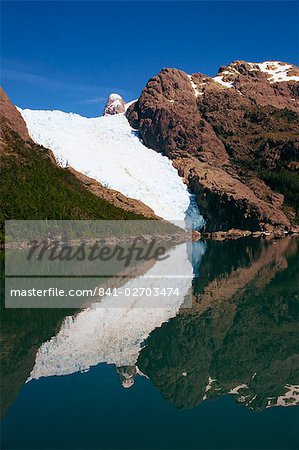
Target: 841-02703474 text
[(98, 292), (140, 292)]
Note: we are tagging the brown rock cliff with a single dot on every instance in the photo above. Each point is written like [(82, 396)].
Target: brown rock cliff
[(221, 133)]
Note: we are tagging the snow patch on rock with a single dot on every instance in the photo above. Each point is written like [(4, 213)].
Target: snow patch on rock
[(194, 87), (277, 71), (220, 79)]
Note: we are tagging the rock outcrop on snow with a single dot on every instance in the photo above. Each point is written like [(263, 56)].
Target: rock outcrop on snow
[(115, 105)]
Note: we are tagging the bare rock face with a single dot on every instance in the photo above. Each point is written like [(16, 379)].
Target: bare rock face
[(221, 132), (227, 202), (12, 117), (115, 105), (169, 120)]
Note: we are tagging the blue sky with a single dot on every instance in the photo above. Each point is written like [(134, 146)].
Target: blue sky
[(71, 55)]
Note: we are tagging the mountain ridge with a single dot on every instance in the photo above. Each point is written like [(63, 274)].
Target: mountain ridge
[(226, 135)]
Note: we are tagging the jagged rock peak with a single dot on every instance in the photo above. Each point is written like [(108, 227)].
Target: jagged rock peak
[(115, 105)]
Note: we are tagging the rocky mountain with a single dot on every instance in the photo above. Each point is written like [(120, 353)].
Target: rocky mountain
[(234, 138), (115, 105)]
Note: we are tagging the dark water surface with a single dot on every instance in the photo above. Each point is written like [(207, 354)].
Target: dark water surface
[(223, 374)]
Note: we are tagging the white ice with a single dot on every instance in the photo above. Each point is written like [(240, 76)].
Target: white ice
[(110, 151)]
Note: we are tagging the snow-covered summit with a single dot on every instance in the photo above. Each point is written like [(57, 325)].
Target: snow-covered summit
[(110, 151), (114, 96), (276, 71), (279, 71)]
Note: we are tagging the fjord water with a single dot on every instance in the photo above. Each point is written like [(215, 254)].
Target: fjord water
[(222, 374)]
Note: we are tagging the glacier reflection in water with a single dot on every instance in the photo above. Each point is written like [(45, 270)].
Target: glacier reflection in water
[(114, 330)]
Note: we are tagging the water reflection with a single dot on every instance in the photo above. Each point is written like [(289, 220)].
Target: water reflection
[(114, 329), (239, 338)]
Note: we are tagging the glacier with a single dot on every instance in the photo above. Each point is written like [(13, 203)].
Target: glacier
[(107, 149)]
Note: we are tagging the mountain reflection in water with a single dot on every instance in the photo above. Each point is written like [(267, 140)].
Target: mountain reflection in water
[(240, 337)]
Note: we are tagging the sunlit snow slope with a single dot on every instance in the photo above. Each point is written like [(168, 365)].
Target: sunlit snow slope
[(109, 150)]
